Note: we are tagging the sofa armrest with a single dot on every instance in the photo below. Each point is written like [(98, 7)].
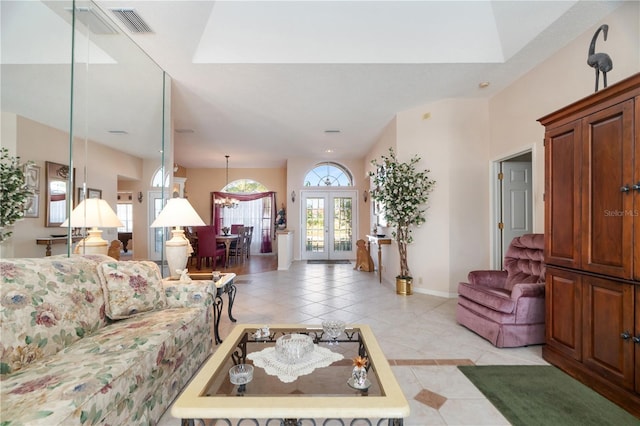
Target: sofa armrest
[(527, 290), (492, 278), (189, 294)]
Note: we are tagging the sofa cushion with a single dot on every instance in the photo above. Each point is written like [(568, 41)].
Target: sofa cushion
[(47, 304), (131, 288)]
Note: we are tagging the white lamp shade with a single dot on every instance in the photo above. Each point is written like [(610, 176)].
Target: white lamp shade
[(93, 212), (177, 212)]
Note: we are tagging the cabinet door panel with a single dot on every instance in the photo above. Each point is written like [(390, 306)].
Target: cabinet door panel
[(563, 326), (607, 226), (636, 204), (607, 314), (562, 195)]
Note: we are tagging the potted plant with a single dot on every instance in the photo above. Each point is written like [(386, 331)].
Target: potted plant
[(402, 191), (13, 192)]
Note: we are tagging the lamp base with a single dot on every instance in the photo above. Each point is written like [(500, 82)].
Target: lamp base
[(93, 243), (176, 250)]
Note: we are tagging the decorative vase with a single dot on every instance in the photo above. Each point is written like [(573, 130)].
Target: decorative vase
[(359, 376), (404, 286)]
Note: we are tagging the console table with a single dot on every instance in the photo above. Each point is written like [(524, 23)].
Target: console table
[(54, 240), (379, 241)]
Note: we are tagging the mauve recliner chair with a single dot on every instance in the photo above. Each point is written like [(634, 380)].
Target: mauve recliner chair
[(507, 307)]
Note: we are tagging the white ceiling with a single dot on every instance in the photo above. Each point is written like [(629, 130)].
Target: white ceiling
[(263, 80)]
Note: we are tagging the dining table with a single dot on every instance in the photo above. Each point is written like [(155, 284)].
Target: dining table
[(226, 239)]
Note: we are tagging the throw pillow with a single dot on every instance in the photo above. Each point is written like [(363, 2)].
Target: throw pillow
[(131, 288)]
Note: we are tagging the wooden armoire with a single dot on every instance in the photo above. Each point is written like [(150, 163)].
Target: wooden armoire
[(592, 241)]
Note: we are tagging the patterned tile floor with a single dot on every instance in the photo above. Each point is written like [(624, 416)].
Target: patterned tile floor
[(418, 334)]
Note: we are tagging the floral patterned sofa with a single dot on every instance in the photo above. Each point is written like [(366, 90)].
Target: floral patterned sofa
[(90, 340)]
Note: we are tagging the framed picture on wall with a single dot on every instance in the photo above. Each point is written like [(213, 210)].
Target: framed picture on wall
[(94, 193), (32, 177), (91, 193), (32, 206)]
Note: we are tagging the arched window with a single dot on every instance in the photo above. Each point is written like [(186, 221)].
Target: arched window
[(244, 186), (156, 182), (328, 174), (255, 207)]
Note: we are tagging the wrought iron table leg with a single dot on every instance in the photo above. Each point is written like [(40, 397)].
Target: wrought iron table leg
[(231, 292), (217, 313)]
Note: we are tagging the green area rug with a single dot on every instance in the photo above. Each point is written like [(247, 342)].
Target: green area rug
[(544, 395)]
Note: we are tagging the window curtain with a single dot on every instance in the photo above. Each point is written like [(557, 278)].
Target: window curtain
[(257, 210)]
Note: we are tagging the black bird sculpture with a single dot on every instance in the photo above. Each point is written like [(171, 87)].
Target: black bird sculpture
[(600, 61)]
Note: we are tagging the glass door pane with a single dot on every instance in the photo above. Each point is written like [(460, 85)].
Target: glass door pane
[(156, 235), (342, 231), (314, 226)]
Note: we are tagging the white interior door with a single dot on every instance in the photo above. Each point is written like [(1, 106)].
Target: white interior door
[(516, 197), (328, 221)]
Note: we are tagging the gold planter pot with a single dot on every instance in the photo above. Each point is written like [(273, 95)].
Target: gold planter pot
[(404, 286)]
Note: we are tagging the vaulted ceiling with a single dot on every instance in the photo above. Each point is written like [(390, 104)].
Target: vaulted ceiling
[(263, 81)]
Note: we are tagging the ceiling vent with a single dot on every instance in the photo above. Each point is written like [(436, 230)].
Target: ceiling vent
[(93, 20), (131, 20)]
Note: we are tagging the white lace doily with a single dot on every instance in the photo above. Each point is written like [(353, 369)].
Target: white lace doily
[(319, 357)]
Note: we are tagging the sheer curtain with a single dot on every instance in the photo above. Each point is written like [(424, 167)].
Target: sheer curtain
[(257, 210)]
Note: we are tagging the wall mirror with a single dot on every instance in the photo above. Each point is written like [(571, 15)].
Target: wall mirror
[(57, 194), (119, 98)]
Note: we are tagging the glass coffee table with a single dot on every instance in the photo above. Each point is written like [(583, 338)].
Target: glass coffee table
[(304, 399)]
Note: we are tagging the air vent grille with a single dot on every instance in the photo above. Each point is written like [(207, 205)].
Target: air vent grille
[(130, 18)]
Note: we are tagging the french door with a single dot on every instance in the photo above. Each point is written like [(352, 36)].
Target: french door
[(328, 221)]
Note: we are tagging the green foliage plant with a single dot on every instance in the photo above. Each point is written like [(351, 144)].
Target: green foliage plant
[(402, 191), (13, 192)]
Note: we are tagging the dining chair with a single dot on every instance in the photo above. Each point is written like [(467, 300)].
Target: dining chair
[(237, 247), (208, 247), (190, 235), (248, 239)]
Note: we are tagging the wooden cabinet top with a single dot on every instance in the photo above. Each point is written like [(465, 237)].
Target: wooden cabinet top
[(618, 92)]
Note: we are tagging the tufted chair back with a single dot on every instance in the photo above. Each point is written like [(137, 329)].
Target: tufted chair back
[(524, 260)]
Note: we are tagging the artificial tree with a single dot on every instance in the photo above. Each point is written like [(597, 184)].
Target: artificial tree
[(402, 191), (13, 192)]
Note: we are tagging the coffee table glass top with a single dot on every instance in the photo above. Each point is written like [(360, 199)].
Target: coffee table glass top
[(323, 392)]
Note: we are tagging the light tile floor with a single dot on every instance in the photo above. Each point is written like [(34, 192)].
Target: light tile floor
[(413, 331)]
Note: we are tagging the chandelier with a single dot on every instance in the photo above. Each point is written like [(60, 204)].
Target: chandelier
[(230, 203)]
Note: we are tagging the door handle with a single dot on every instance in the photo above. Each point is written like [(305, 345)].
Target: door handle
[(625, 335), (636, 186), (636, 339), (625, 188)]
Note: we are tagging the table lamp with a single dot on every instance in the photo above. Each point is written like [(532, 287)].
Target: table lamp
[(93, 213), (177, 212)]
